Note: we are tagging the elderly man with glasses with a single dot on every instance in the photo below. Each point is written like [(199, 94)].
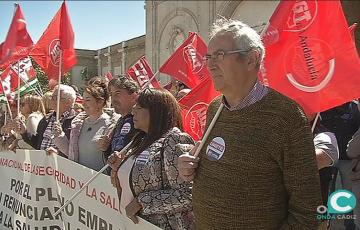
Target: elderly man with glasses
[(44, 138), (257, 169)]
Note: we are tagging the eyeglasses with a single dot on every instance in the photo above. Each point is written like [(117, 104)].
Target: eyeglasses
[(54, 97), (219, 55)]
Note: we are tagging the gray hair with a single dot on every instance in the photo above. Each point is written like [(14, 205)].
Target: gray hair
[(244, 36), (67, 91)]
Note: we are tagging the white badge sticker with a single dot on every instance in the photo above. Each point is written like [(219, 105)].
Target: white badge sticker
[(143, 158), (126, 128), (216, 148)]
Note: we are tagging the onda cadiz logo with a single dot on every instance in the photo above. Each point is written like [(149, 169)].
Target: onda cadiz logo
[(191, 55), (340, 203), (54, 51)]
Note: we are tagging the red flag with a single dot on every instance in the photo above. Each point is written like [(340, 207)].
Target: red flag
[(191, 33), (9, 82), (10, 77), (168, 86), (26, 70), (194, 107), (314, 60), (18, 41), (109, 76), (58, 37), (187, 63), (277, 24), (142, 73)]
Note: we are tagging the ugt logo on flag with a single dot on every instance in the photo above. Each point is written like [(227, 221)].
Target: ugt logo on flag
[(302, 15), (54, 51), (311, 56), (193, 58)]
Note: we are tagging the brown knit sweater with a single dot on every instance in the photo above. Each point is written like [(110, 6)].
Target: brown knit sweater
[(267, 177)]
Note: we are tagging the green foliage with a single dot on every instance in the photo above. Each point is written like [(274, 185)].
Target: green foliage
[(86, 75), (42, 77), (44, 80), (66, 78)]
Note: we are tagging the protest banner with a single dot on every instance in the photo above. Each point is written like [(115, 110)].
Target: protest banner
[(34, 186)]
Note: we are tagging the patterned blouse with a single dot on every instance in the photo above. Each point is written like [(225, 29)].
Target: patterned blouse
[(155, 182)]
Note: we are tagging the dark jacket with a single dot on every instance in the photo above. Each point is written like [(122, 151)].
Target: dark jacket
[(343, 121), (326, 174), (122, 134), (36, 140)]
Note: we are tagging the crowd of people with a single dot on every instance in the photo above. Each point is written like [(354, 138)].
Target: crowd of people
[(261, 166)]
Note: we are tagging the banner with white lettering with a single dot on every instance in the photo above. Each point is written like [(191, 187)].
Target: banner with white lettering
[(33, 186)]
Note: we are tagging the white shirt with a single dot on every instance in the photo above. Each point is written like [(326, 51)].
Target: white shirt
[(124, 177)]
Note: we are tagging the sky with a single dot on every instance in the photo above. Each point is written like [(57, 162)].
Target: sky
[(97, 24)]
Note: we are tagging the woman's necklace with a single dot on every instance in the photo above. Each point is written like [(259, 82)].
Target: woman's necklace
[(91, 123)]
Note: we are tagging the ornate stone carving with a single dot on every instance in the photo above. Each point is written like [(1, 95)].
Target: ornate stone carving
[(177, 37)]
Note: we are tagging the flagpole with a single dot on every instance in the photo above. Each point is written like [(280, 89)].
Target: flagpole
[(58, 95), (89, 181), (8, 107), (35, 88), (5, 115), (38, 87), (315, 121), (208, 130), (151, 79), (19, 84), (80, 190)]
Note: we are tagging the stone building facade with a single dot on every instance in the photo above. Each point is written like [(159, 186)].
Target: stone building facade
[(167, 26), (115, 58), (168, 22)]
